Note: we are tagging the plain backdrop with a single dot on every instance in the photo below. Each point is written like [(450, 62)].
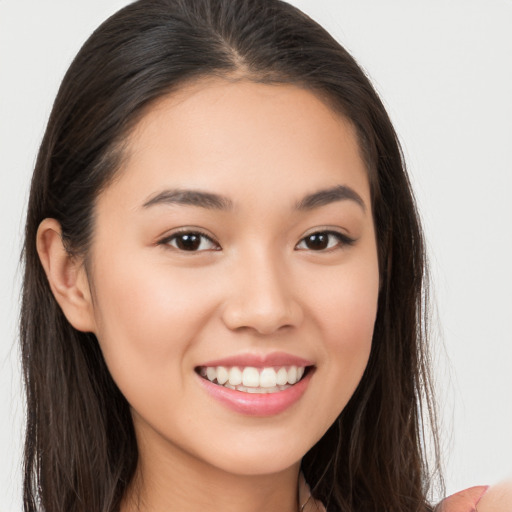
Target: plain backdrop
[(444, 71)]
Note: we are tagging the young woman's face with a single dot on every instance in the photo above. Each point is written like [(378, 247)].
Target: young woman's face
[(236, 248)]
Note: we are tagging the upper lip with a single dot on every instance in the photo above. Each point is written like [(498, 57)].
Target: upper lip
[(260, 360)]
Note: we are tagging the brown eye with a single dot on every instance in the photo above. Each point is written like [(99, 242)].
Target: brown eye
[(317, 242), (191, 242), (324, 240)]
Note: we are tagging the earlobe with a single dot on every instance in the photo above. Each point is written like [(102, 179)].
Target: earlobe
[(66, 276)]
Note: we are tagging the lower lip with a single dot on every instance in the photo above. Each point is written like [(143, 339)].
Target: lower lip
[(254, 404)]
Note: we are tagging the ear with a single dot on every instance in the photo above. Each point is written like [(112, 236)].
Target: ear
[(66, 276)]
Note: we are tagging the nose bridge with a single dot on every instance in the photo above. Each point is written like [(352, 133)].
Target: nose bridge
[(261, 295)]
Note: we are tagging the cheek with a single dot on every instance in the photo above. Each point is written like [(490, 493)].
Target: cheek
[(344, 301), (344, 305), (146, 317)]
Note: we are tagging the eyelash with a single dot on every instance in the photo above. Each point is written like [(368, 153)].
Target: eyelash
[(189, 232), (342, 240)]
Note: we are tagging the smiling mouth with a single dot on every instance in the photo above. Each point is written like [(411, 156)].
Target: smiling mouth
[(250, 379)]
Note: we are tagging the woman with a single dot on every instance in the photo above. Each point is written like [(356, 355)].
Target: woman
[(220, 200)]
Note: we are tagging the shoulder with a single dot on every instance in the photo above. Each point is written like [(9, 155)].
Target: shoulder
[(497, 498), (463, 501)]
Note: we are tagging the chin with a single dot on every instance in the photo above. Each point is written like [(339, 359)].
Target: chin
[(258, 454), (258, 464)]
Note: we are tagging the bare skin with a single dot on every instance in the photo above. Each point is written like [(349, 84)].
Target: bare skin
[(498, 498), (284, 262)]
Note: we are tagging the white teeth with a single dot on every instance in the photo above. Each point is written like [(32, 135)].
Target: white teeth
[(292, 375), (211, 373), (251, 377), (260, 391), (235, 376), (254, 380), (268, 378), (282, 377), (222, 375)]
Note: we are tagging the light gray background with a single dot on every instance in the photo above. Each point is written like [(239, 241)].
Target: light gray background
[(444, 70)]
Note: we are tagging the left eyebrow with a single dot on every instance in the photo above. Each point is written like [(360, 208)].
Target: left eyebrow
[(328, 196)]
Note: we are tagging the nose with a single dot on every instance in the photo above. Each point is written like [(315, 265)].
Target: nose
[(261, 297)]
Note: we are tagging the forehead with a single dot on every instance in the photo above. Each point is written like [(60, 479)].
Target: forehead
[(215, 133)]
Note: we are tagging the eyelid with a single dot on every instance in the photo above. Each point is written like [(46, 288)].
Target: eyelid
[(188, 230), (343, 239)]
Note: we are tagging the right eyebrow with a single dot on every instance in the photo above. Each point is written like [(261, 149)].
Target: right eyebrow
[(330, 195), (191, 198)]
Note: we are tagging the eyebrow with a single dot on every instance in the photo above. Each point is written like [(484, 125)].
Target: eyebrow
[(213, 201), (328, 196), (191, 198)]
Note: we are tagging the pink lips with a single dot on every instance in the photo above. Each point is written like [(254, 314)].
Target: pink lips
[(254, 404), (260, 360)]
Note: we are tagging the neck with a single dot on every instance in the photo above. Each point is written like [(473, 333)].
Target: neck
[(168, 479)]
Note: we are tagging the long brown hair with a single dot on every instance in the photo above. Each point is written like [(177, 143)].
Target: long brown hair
[(80, 450)]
